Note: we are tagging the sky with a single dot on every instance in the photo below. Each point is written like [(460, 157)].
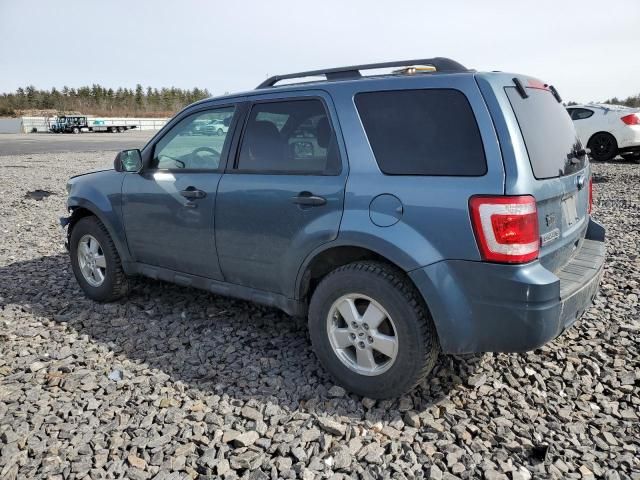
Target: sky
[(588, 49)]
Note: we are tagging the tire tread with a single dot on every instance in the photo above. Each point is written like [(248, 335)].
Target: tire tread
[(402, 284)]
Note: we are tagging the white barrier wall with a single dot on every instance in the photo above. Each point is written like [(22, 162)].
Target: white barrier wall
[(41, 124), (10, 125)]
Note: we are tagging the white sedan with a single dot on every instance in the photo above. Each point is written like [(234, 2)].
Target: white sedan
[(608, 130)]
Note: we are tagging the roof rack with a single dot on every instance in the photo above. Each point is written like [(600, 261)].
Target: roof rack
[(441, 64)]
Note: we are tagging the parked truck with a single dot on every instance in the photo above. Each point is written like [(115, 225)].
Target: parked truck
[(79, 124)]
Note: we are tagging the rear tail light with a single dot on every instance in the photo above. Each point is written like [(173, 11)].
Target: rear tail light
[(631, 119), (590, 193), (506, 228)]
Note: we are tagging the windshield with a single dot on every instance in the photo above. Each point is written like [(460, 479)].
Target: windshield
[(549, 135)]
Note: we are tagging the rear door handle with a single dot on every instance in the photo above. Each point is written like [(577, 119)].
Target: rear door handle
[(308, 199), (192, 193)]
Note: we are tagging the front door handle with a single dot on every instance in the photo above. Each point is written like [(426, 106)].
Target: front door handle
[(192, 193), (308, 199)]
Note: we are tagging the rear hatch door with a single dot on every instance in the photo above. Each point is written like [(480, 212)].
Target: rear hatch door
[(559, 168)]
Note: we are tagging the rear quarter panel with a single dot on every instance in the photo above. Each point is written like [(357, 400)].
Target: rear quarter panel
[(435, 222)]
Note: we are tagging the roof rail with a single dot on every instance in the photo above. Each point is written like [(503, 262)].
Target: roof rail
[(441, 64)]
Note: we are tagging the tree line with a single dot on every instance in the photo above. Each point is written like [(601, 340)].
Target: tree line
[(632, 101), (101, 101)]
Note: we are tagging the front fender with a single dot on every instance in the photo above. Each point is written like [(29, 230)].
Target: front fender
[(106, 207)]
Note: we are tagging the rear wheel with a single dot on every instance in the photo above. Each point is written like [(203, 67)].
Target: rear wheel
[(113, 129), (371, 330), (220, 132), (95, 261), (120, 129), (76, 130), (603, 146)]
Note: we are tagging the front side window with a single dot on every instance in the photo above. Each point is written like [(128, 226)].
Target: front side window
[(292, 137), (422, 132), (196, 142)]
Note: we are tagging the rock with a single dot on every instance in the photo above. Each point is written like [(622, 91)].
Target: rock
[(477, 380), (337, 392), (245, 439), (251, 413), (368, 403), (342, 459), (412, 419), (136, 462), (230, 436), (283, 463), (331, 426), (246, 460), (435, 473), (37, 366), (208, 458), (223, 467), (116, 375)]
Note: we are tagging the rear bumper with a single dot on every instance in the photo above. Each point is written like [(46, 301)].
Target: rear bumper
[(484, 307), (629, 137)]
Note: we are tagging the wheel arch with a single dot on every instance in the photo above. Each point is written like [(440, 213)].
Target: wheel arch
[(87, 209), (323, 261), (600, 132)]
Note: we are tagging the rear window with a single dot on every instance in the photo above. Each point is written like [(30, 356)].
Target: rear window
[(422, 132), (548, 133)]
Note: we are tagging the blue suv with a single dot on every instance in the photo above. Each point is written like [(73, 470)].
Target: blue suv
[(430, 209)]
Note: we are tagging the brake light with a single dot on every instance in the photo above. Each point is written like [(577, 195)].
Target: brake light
[(506, 228), (631, 119), (590, 193)]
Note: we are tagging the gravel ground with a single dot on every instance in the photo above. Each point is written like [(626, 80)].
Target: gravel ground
[(178, 383)]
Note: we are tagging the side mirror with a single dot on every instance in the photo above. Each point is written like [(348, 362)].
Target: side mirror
[(128, 161)]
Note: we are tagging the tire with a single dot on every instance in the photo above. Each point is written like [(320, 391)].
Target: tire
[(603, 146), (120, 129), (113, 130), (76, 130), (407, 322), (220, 132), (114, 284)]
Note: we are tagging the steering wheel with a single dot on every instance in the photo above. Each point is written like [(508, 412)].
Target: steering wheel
[(197, 159), (212, 151)]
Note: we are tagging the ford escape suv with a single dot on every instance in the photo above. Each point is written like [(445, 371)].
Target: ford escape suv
[(430, 209)]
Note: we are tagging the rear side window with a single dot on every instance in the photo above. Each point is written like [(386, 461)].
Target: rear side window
[(548, 133), (289, 137), (422, 132), (581, 113)]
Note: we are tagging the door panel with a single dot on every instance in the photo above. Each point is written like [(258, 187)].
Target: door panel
[(166, 229), (262, 236), (168, 208), (284, 195)]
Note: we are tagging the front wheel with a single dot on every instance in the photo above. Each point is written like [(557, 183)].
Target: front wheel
[(371, 330), (76, 130), (95, 261)]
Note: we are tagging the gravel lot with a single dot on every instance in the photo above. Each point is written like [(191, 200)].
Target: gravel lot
[(178, 383)]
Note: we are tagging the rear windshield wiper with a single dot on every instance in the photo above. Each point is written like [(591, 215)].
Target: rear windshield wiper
[(555, 93), (523, 91), (520, 88)]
